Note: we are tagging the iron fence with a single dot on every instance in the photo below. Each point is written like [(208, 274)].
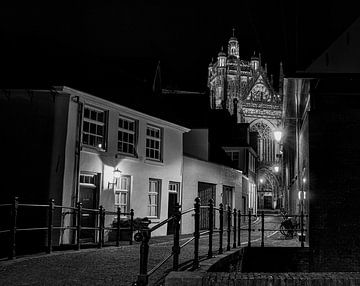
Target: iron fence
[(233, 229), (77, 227)]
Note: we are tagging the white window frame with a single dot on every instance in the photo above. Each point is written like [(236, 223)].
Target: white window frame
[(157, 194), (128, 132), (152, 138), (119, 190), (176, 185), (94, 122)]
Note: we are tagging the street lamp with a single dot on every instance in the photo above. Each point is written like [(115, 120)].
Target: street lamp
[(276, 168)]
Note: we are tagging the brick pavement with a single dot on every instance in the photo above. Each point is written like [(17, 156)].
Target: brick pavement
[(109, 265)]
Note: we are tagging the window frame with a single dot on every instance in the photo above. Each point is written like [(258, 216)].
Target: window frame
[(96, 122), (119, 190), (128, 131), (156, 193), (154, 139)]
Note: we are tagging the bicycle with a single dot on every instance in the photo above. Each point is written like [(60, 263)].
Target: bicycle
[(289, 225)]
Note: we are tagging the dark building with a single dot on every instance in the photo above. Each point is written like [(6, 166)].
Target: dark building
[(321, 153)]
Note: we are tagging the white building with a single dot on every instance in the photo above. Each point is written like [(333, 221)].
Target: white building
[(102, 137)]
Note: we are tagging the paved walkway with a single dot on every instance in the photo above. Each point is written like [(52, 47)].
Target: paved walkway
[(115, 265)]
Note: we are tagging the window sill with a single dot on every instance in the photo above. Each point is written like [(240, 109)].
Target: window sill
[(126, 156), (155, 163), (91, 149)]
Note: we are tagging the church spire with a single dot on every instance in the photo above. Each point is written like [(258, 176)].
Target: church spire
[(281, 79), (233, 46)]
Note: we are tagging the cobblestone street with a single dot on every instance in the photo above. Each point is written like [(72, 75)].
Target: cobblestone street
[(114, 265)]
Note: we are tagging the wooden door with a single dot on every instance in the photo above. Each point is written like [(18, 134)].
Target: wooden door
[(206, 192), (88, 198)]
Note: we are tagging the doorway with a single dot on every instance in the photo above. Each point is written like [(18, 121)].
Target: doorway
[(89, 199), (206, 192), (174, 188), (268, 202), (227, 199)]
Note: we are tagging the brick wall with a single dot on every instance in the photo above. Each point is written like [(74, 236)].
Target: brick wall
[(334, 157)]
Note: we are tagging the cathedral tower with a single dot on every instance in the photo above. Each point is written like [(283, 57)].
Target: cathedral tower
[(244, 89)]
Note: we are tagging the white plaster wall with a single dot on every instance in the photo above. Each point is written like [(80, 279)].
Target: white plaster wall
[(140, 169), (196, 171)]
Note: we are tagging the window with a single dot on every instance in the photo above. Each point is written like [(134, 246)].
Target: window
[(122, 193), (154, 198), (174, 187), (127, 136), (153, 143), (94, 127), (234, 157), (87, 179)]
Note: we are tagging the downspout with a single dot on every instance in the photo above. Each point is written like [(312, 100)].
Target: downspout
[(77, 149), (76, 176)]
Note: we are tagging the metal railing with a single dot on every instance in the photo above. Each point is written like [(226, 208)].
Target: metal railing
[(77, 227), (233, 229)]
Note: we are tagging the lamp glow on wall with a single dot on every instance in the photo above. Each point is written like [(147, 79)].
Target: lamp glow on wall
[(116, 177), (278, 133)]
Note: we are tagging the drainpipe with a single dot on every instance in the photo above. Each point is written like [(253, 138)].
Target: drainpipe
[(76, 177)]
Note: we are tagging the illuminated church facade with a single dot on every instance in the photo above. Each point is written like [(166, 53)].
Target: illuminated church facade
[(245, 90)]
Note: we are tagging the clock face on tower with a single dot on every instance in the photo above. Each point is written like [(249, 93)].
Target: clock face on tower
[(260, 93)]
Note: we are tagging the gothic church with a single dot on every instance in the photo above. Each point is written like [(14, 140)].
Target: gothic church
[(245, 90)]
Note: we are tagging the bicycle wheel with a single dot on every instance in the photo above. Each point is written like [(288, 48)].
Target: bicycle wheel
[(283, 230)]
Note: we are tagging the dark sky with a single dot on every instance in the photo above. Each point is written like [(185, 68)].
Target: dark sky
[(105, 43)]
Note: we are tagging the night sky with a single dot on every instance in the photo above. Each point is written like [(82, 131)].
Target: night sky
[(82, 43)]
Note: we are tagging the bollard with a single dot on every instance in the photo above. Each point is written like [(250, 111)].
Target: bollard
[(12, 240), (211, 226), (176, 247), (50, 225), (239, 227), (131, 226), (262, 228), (118, 227), (221, 231), (196, 233), (78, 227), (144, 252), (249, 229), (228, 227), (234, 243)]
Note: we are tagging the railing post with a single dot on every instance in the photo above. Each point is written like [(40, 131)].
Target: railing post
[(50, 225), (234, 243), (176, 246), (228, 227), (144, 252), (78, 227), (221, 232), (239, 227), (249, 229), (196, 233), (302, 228), (12, 240), (118, 226), (211, 226), (100, 213), (262, 228), (131, 226)]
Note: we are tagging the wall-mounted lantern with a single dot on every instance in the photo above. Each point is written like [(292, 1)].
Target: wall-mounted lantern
[(116, 177)]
